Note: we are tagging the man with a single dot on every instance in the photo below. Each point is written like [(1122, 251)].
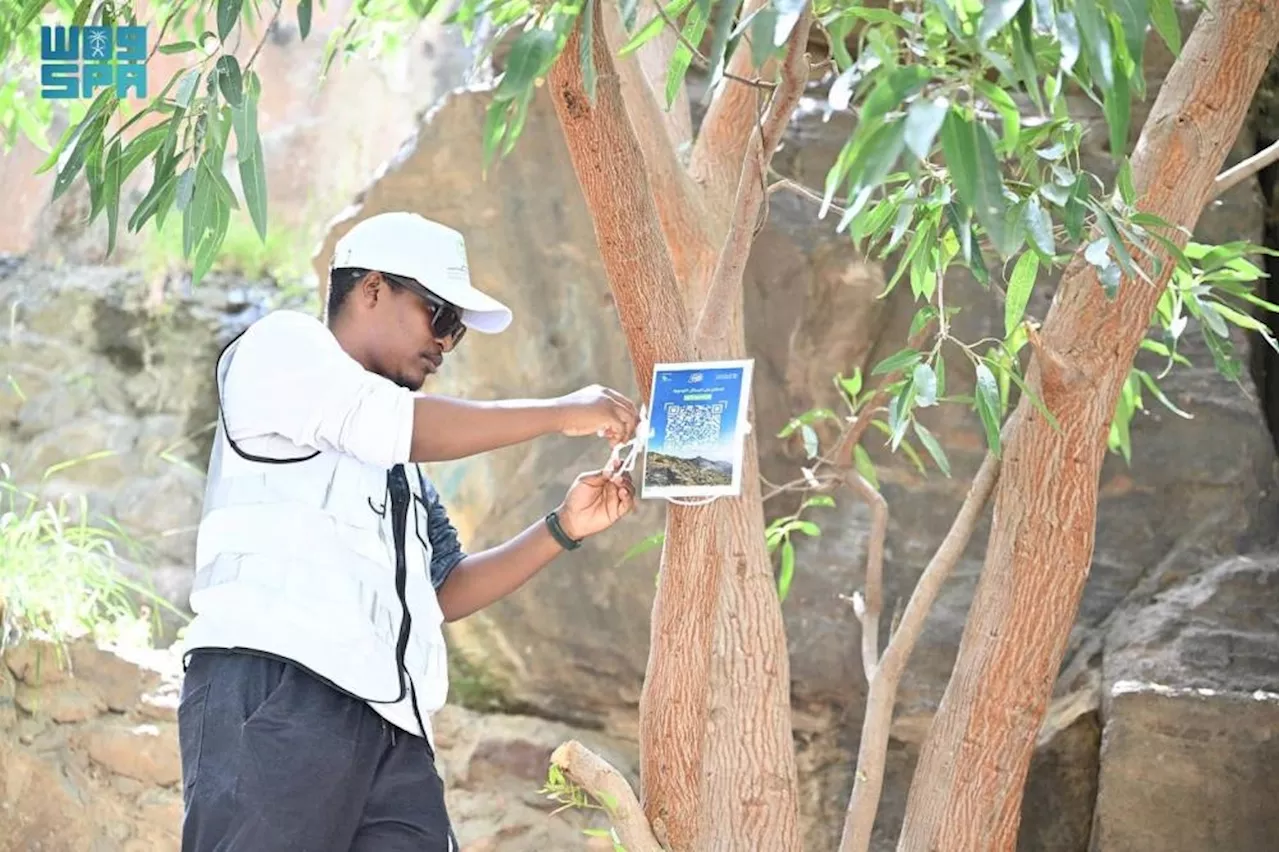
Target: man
[(326, 563)]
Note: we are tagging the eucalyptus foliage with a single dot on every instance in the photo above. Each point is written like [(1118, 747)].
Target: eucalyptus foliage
[(963, 154)]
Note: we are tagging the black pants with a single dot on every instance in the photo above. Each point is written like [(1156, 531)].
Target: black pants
[(275, 760)]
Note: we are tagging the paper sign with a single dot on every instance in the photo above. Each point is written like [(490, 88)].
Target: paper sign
[(697, 422)]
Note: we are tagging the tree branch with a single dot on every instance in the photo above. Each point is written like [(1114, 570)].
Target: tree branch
[(878, 718), (606, 785), (1246, 168), (843, 453), (716, 309), (659, 132), (968, 784), (733, 115), (867, 606), (609, 163)]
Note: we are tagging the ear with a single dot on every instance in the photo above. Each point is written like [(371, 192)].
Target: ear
[(370, 288)]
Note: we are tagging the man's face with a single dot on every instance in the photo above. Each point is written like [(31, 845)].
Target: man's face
[(406, 349)]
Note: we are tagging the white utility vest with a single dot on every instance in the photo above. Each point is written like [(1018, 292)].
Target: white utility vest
[(315, 557)]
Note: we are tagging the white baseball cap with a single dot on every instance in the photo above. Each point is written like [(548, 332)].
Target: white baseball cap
[(432, 254)]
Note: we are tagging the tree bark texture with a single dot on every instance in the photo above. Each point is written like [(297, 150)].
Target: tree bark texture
[(967, 789), (750, 786), (717, 763)]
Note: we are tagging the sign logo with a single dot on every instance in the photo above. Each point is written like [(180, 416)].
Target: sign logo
[(77, 61)]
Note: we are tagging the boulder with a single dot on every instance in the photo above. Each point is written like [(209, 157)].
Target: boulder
[(1188, 755)]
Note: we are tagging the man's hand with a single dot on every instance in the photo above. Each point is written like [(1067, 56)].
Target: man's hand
[(597, 410), (595, 502)]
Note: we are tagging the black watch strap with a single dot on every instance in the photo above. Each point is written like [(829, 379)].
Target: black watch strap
[(558, 533)]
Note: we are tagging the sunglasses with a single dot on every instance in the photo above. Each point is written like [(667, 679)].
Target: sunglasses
[(446, 320)]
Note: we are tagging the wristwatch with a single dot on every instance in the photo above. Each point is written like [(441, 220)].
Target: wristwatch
[(558, 533)]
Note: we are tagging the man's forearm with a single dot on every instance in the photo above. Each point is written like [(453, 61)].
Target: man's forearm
[(485, 577), (445, 429)]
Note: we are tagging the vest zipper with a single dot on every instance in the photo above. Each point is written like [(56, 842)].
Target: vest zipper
[(401, 499), (398, 485)]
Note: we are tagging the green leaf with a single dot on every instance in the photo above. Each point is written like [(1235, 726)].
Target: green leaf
[(1024, 54), (178, 47), (529, 55), (1159, 394), (1124, 181), (788, 12), (1108, 226), (933, 447), (304, 19), (900, 414), (229, 79), (495, 128), (971, 161), (1069, 41), (853, 385), (629, 9), (1241, 319), (862, 463), (253, 182), (1115, 107), (673, 10), (948, 14), (586, 56), (158, 198), (924, 119), (823, 500), (809, 528), (901, 360), (879, 16), (1073, 216), (681, 56), (644, 545), (1021, 283), (1165, 20), (810, 440), (81, 14), (1133, 15), (1039, 226), (995, 14), (892, 89), (210, 242), (27, 13), (763, 26), (228, 13), (722, 24), (925, 384), (185, 191), (89, 140), (876, 158), (1008, 110), (112, 176), (63, 141), (1096, 38), (987, 401), (187, 88), (140, 147), (788, 569), (1035, 400)]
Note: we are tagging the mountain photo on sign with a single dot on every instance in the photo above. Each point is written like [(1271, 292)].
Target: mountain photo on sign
[(697, 423)]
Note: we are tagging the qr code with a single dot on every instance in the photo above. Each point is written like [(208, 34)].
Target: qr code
[(692, 429)]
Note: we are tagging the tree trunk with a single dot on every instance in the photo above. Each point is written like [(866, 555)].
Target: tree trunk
[(717, 762), (967, 790), (750, 786)]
